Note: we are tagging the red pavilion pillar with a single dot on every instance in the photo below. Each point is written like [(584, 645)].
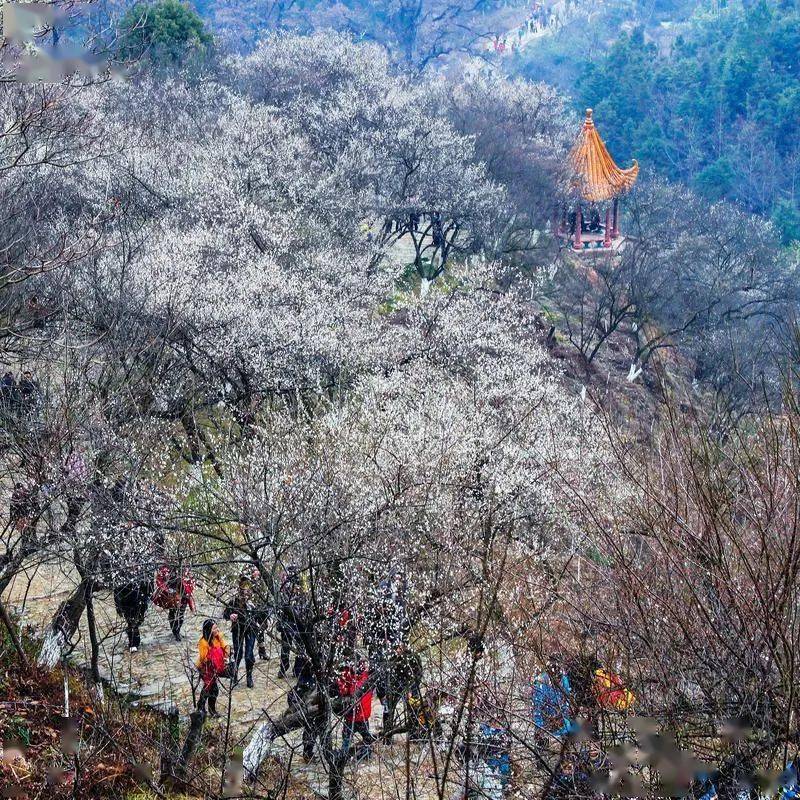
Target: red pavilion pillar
[(615, 226), (607, 235), (577, 244)]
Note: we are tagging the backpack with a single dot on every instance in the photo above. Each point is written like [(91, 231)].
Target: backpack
[(611, 692)]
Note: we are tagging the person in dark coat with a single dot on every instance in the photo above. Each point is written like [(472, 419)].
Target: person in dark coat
[(241, 612), (580, 672), (263, 609), (402, 682), (298, 700), (290, 612), (131, 601), (28, 389), (8, 393), (386, 636)]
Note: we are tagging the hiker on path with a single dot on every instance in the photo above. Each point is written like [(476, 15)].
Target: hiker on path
[(291, 614), (131, 599), (263, 606), (401, 680), (386, 634), (241, 612), (489, 757), (174, 593), (8, 392), (550, 700), (28, 390), (212, 661), (581, 674), (353, 685), (298, 700)]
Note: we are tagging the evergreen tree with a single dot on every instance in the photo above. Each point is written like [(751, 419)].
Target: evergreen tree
[(786, 218), (718, 111), (167, 32)]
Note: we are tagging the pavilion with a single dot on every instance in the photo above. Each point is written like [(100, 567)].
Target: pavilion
[(590, 217)]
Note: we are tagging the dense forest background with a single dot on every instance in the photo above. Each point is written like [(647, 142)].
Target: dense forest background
[(704, 93), (716, 105)]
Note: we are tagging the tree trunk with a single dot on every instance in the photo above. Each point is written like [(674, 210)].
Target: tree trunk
[(170, 743), (176, 770), (291, 720), (23, 660), (94, 663), (61, 629)]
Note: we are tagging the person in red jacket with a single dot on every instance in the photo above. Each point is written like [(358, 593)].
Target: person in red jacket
[(174, 593), (355, 686)]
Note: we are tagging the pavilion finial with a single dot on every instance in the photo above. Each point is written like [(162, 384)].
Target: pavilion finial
[(589, 120)]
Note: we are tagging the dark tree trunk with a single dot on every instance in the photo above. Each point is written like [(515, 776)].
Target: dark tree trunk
[(94, 663), (62, 628), (23, 660), (170, 746), (177, 770)]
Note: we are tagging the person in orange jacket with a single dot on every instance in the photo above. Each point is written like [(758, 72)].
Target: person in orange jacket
[(354, 685), (212, 661)]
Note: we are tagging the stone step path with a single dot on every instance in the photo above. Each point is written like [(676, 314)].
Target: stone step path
[(161, 672), (160, 675)]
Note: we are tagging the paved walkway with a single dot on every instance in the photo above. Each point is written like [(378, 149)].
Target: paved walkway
[(159, 675)]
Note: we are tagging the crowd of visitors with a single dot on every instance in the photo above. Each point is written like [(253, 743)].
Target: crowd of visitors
[(354, 653), (359, 653), (542, 17)]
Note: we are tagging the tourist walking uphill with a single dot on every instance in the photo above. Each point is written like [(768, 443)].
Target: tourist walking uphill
[(386, 634), (354, 686), (264, 607), (551, 702), (131, 599), (401, 681), (130, 551), (297, 700), (291, 613)]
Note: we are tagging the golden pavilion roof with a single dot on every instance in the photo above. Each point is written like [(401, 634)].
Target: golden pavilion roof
[(594, 172)]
